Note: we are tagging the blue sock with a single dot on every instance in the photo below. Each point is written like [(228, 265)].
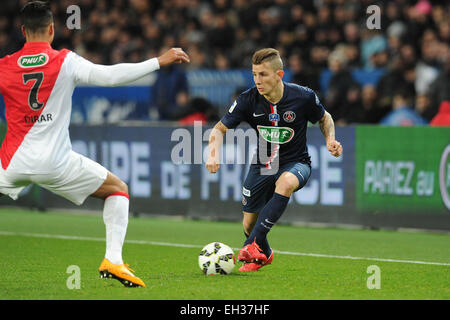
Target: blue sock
[(267, 218), (264, 246)]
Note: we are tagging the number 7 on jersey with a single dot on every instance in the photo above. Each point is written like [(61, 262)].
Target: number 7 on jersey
[(33, 95)]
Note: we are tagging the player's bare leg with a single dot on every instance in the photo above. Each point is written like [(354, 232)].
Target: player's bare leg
[(285, 185), (111, 185), (115, 215), (248, 222)]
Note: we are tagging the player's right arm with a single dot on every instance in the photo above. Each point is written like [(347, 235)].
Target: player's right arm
[(234, 116), (215, 143), (318, 113), (123, 73), (326, 125)]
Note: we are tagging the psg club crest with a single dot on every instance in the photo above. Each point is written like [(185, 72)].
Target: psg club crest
[(289, 116)]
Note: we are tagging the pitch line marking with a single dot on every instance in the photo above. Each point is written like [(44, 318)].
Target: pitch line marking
[(181, 245)]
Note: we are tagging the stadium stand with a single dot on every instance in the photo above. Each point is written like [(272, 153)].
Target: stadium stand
[(326, 45)]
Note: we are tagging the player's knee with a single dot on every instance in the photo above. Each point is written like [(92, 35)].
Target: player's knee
[(119, 186), (286, 184), (285, 188), (122, 187)]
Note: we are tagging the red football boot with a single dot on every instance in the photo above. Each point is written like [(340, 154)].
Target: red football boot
[(253, 266), (252, 253)]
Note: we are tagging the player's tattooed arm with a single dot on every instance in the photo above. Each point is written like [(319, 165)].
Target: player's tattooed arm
[(215, 143), (326, 125)]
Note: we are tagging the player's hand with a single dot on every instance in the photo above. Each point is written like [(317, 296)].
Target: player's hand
[(174, 55), (334, 147), (212, 164)]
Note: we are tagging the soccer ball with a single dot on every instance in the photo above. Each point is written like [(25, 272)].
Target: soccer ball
[(216, 258)]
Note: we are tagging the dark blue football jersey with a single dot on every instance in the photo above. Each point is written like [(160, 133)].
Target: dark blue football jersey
[(283, 126)]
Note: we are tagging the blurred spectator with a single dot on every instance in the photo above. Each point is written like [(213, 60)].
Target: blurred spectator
[(351, 33), (198, 57), (170, 91), (221, 35), (426, 68), (352, 56), (221, 62), (244, 47), (422, 105), (379, 59), (198, 109), (318, 58), (373, 44), (371, 112), (395, 33), (392, 14), (408, 82), (353, 111), (412, 44), (402, 113), (439, 90), (388, 84), (340, 82), (442, 118), (301, 74)]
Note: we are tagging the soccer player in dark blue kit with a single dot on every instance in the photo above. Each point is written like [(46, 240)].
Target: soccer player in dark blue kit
[(279, 112)]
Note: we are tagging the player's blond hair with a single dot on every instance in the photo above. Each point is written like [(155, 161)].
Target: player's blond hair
[(270, 55)]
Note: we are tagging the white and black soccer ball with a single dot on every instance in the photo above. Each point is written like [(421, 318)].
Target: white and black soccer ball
[(216, 258)]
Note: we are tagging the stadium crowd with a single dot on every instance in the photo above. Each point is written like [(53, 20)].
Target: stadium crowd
[(325, 43)]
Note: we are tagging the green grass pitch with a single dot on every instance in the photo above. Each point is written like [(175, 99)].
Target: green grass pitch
[(36, 250)]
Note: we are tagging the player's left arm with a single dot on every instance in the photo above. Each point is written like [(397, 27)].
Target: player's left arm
[(124, 73), (326, 125)]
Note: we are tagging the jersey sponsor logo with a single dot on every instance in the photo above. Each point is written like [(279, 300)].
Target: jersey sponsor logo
[(289, 116), (276, 134), (274, 117), (257, 115), (31, 61)]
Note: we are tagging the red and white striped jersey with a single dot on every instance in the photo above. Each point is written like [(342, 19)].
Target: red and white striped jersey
[(37, 83)]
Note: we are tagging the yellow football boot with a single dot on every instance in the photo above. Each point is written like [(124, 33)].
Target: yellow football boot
[(120, 272)]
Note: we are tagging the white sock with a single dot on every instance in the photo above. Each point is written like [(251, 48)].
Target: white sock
[(115, 216)]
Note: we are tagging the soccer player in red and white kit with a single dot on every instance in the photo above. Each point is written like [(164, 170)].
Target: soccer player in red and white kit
[(37, 83)]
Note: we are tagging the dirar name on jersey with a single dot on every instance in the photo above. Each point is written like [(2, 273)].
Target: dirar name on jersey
[(40, 118)]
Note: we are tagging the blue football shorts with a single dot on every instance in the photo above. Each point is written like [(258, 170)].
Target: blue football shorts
[(258, 188)]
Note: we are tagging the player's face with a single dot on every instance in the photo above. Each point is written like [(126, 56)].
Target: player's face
[(265, 77)]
